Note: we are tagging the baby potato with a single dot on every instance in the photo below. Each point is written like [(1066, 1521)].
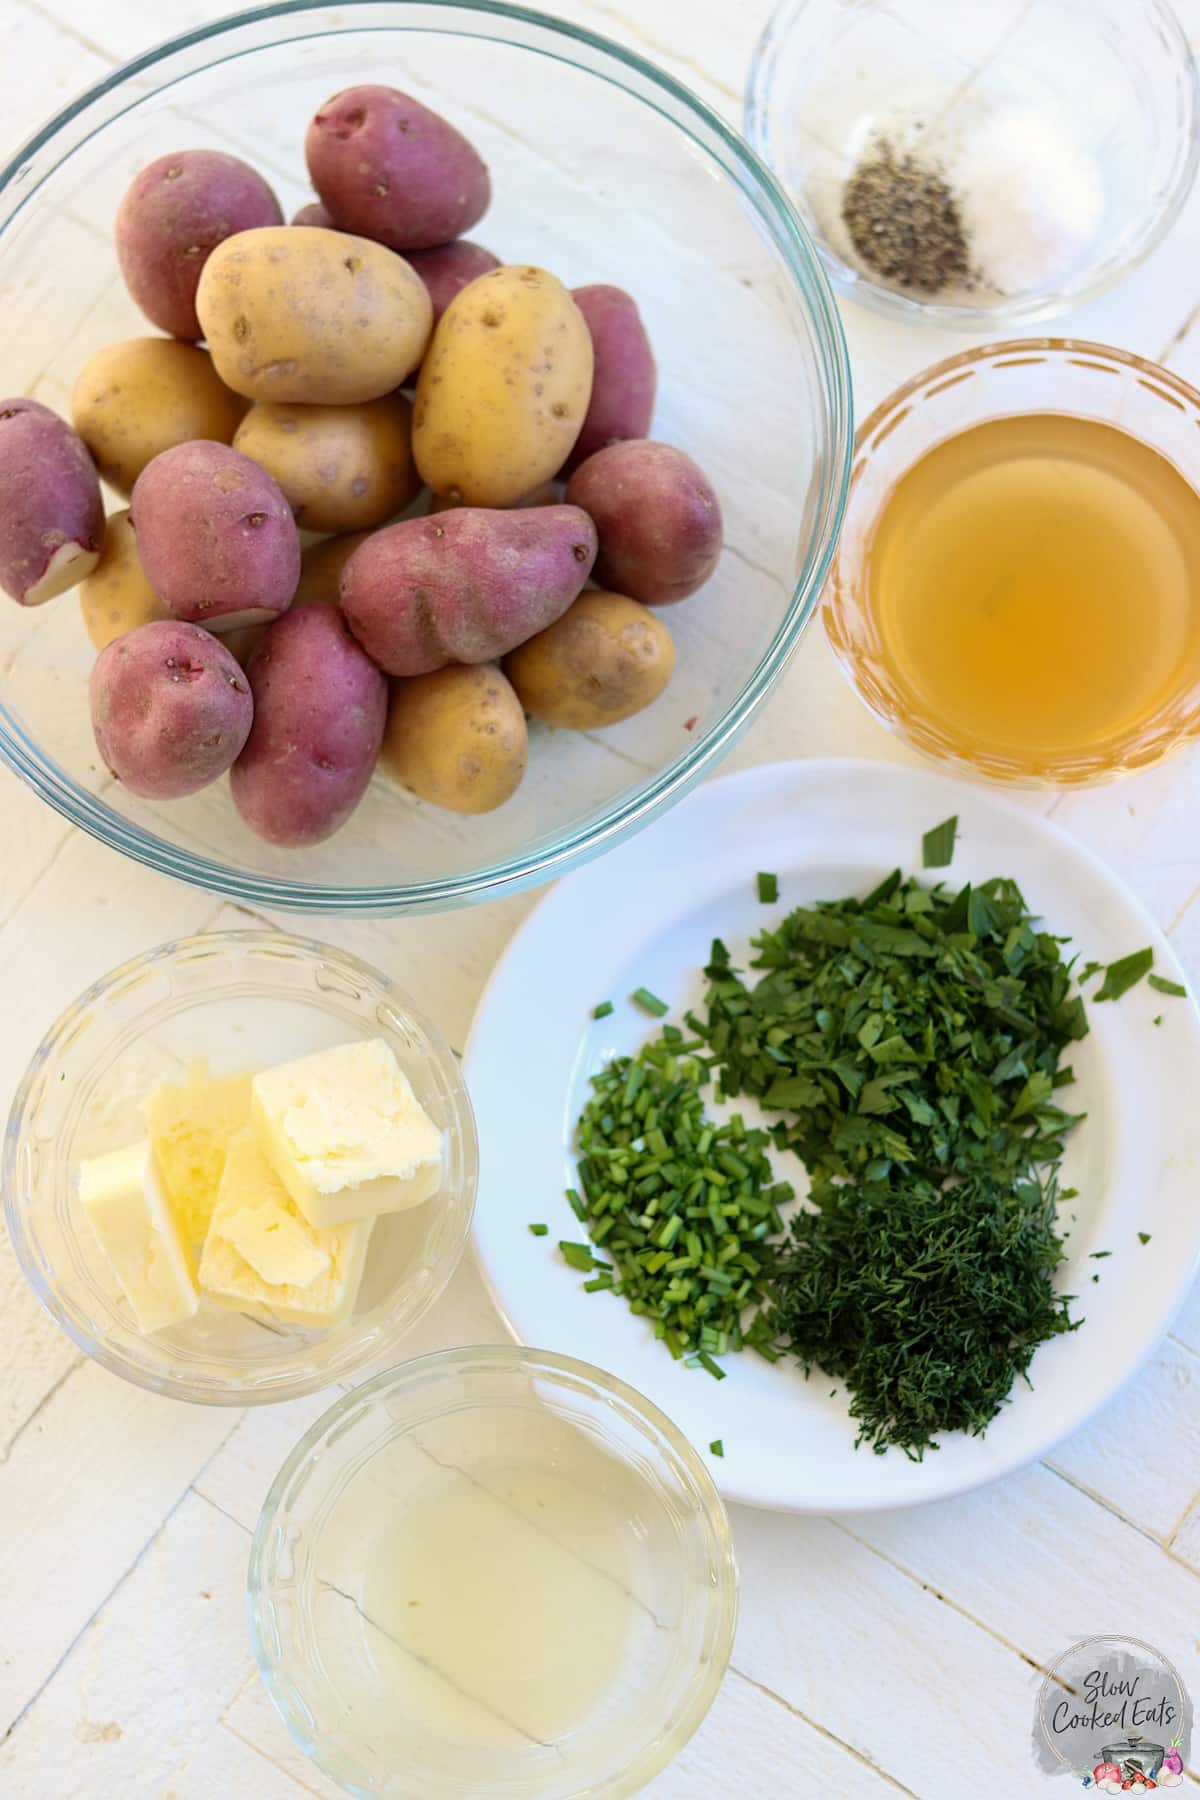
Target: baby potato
[(51, 512), (172, 216), (388, 167), (657, 516), (448, 268), (314, 214), (319, 710), (144, 395), (606, 658), (457, 738), (116, 597), (296, 314), (216, 537), (503, 389), (321, 568), (622, 403), (341, 468), (464, 587), (170, 709)]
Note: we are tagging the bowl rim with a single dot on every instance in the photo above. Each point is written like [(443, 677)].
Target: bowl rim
[(845, 572), (651, 1421), (297, 1384), (771, 46), (626, 812)]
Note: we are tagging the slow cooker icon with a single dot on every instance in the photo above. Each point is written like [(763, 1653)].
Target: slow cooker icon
[(1134, 1756)]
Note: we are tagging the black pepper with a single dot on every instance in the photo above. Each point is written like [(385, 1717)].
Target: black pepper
[(904, 221)]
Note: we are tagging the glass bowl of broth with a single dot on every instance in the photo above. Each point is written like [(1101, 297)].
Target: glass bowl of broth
[(495, 1572), (1017, 585)]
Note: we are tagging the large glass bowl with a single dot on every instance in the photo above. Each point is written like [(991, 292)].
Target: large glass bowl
[(1117, 77), (546, 1476), (604, 170)]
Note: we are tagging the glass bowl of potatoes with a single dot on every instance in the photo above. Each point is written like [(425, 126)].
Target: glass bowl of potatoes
[(413, 551)]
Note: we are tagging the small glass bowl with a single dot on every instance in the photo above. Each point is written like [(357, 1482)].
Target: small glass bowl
[(456, 1429), (1026, 375), (243, 1000), (1118, 80)]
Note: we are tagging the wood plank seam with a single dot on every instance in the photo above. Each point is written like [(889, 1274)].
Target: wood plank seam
[(126, 1573), (86, 43), (823, 1731), (47, 1397), (1110, 1506), (671, 52), (93, 1616), (955, 1606), (301, 1785)]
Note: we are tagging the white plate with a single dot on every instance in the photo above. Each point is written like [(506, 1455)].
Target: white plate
[(644, 915)]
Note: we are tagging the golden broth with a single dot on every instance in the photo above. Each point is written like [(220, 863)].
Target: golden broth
[(1035, 584)]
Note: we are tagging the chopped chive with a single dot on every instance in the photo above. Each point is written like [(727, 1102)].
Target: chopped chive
[(716, 1448), (1158, 1019), (937, 845), (539, 1230), (1143, 1237), (578, 1256), (602, 1011), (714, 1369), (1099, 1255), (649, 1002), (1161, 985), (768, 887)]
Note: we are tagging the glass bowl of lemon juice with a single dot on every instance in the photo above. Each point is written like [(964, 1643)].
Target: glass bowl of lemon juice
[(494, 1573)]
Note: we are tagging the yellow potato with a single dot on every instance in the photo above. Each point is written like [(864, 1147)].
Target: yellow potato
[(116, 596), (321, 568), (341, 468), (144, 395), (295, 313), (504, 388), (457, 738), (604, 660)]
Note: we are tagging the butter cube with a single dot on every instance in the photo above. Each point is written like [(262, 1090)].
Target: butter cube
[(261, 1255), (191, 1123), (125, 1204), (346, 1135)]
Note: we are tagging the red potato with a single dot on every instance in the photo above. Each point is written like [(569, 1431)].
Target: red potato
[(387, 168), (173, 214), (314, 214), (465, 586), (657, 518), (171, 709), (51, 513), (447, 270), (625, 377), (216, 536), (320, 706)]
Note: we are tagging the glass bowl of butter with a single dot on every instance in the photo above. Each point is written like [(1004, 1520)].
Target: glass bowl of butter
[(240, 1167)]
